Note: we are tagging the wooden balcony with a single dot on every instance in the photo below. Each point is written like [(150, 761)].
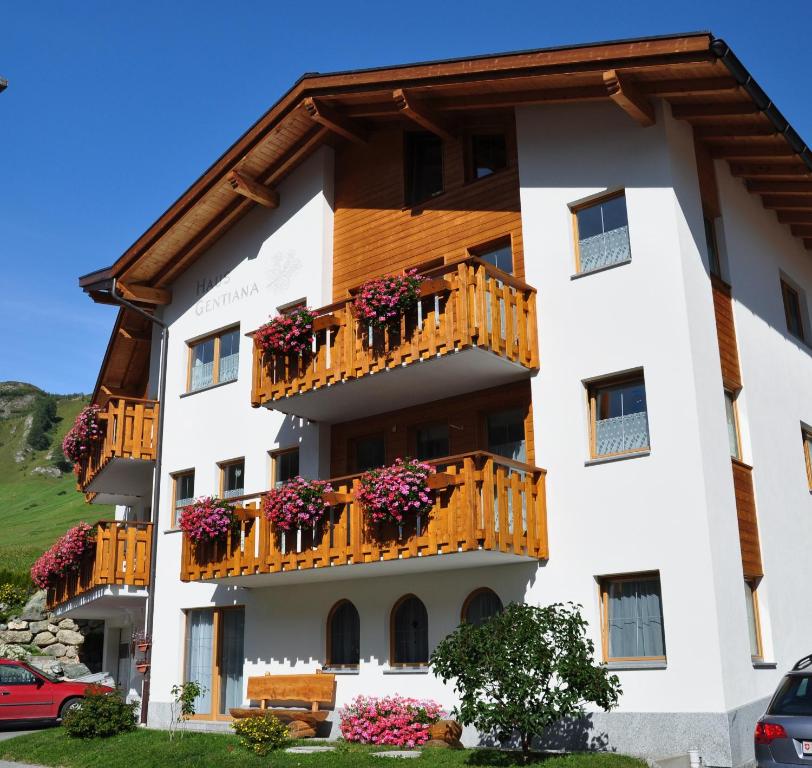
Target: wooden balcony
[(488, 510), (120, 468), (474, 327), (120, 558)]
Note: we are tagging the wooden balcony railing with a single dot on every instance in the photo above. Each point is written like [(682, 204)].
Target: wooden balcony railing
[(120, 556), (130, 432), (463, 304), (482, 502)]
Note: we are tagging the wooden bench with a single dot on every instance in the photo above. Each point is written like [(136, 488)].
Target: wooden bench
[(276, 693)]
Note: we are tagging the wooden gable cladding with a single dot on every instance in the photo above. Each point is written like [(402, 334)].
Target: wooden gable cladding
[(747, 519), (464, 414), (125, 369), (375, 234), (726, 334)]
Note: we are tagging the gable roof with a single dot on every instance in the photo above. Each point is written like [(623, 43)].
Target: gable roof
[(698, 74)]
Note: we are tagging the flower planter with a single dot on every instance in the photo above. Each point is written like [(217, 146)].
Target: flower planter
[(142, 667), (143, 646)]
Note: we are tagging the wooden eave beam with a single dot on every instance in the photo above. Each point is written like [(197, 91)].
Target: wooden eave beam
[(688, 86), (780, 187), (775, 170), (144, 293), (418, 112), (794, 217), (787, 202), (694, 111), (335, 121), (808, 243), (624, 93), (253, 190), (731, 150), (802, 230), (134, 335)]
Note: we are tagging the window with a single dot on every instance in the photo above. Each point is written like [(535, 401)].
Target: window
[(632, 618), (793, 310), (284, 466), (184, 491), (423, 166), (713, 247), (12, 674), (431, 441), (753, 623), (370, 452), (488, 155), (214, 360), (481, 605), (602, 233), (506, 434), (410, 632), (731, 413), (618, 416), (498, 253), (232, 478), (214, 658), (343, 635), (807, 438)]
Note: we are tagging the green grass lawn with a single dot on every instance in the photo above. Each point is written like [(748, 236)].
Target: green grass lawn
[(35, 510), (152, 749)]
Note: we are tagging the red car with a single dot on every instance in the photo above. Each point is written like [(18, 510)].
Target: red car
[(29, 694)]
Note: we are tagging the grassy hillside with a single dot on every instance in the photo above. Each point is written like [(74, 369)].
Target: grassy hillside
[(35, 508)]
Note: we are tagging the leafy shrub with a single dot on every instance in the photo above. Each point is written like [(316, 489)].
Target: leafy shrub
[(184, 697), (101, 715), (523, 670), (12, 595), (261, 734), (393, 720)]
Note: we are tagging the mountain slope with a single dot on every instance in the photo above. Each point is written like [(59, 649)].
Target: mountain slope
[(38, 498)]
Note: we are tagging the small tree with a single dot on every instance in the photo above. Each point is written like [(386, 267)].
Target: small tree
[(183, 704), (523, 670)]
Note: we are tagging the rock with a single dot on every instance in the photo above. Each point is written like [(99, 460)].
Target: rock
[(398, 753), (51, 472), (46, 664), (309, 750), (57, 649), (72, 653), (35, 607), (67, 624), (38, 626), (72, 671), (19, 637), (53, 628), (17, 624), (44, 638), (70, 637), (3, 627)]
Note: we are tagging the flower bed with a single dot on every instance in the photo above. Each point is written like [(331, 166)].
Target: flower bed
[(299, 503), (383, 301), (396, 493), (208, 519), (83, 435), (64, 556), (290, 333), (392, 720)]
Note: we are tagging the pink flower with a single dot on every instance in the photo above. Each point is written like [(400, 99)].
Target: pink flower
[(85, 433), (291, 333), (392, 720), (381, 302), (64, 556), (396, 493), (298, 503), (208, 519)]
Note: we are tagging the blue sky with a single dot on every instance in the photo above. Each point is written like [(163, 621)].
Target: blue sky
[(114, 108)]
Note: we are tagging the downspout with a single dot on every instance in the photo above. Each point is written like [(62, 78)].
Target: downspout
[(156, 483)]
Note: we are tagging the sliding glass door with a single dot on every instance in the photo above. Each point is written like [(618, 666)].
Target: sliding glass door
[(214, 658)]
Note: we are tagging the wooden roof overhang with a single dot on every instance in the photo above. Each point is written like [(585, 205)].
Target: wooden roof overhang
[(695, 73)]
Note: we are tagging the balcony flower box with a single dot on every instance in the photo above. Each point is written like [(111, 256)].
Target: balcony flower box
[(83, 436), (208, 519), (298, 504), (65, 556), (380, 303), (291, 333), (142, 667), (397, 494), (391, 720)]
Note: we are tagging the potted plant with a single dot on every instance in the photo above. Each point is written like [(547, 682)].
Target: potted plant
[(381, 302), (208, 519), (142, 641), (85, 433), (64, 556), (296, 504), (290, 333), (396, 494), (142, 667)]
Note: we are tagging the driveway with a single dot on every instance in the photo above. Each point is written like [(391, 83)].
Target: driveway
[(10, 731)]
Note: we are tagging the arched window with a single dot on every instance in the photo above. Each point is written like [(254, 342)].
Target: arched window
[(481, 605), (343, 635), (409, 632)]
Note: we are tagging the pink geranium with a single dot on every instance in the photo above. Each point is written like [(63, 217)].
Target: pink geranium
[(64, 556), (290, 333), (392, 720), (208, 519), (85, 433), (396, 493), (298, 503), (383, 301)]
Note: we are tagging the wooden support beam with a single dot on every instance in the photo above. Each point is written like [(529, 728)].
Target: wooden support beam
[(808, 243), (788, 202), (625, 94), (418, 112), (253, 190), (688, 85), (733, 130), (801, 230), (336, 122), (776, 170), (694, 111), (732, 149), (134, 335), (144, 293), (780, 187), (794, 217)]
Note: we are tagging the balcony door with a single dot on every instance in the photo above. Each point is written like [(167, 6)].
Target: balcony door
[(214, 658)]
